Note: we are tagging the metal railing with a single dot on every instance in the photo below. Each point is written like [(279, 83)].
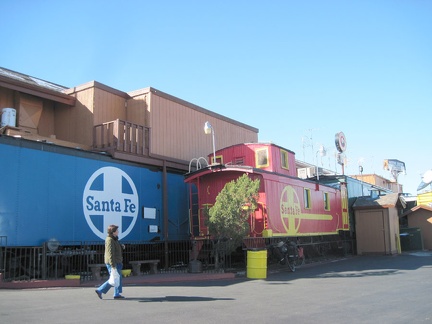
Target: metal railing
[(20, 263), (3, 244), (74, 258), (314, 248)]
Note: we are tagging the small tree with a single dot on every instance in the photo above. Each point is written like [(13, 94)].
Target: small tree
[(228, 217)]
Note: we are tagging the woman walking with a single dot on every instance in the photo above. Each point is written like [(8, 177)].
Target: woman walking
[(113, 261)]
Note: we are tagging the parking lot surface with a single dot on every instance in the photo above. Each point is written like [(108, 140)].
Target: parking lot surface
[(360, 289)]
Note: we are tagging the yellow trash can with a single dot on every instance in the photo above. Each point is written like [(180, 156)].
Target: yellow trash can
[(256, 264)]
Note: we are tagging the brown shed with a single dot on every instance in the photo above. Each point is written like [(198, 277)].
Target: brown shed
[(377, 223), (421, 217)]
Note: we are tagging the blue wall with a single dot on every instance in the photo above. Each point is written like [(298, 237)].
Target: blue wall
[(43, 195)]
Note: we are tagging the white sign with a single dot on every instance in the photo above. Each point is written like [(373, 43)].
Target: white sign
[(110, 195), (149, 213), (153, 228)]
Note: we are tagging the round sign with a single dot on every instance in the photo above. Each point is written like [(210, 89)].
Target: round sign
[(340, 142), (110, 197), (290, 210)]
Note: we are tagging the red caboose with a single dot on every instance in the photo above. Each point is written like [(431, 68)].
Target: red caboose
[(288, 206)]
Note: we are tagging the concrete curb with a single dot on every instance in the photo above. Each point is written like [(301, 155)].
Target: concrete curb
[(128, 281)]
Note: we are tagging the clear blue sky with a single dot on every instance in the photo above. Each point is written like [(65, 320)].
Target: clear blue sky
[(299, 71)]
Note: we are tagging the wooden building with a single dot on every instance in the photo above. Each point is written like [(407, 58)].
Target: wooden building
[(145, 126), (377, 223), (380, 181), (420, 217)]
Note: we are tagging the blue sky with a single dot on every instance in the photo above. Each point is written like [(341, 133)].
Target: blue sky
[(299, 71)]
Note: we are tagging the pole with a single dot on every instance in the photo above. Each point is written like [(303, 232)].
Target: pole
[(214, 147), (165, 211)]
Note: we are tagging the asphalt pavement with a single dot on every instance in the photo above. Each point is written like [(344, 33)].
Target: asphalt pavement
[(360, 289)]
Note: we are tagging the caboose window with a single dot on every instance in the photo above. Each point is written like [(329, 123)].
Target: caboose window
[(284, 159), (307, 198), (326, 201), (219, 159), (261, 158), (239, 160)]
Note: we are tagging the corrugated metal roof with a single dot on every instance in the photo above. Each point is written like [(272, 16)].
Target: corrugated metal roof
[(31, 80), (385, 201), (34, 86)]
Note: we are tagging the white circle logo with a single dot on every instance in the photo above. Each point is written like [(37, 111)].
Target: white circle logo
[(110, 197)]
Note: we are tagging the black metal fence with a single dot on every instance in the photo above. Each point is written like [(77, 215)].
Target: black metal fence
[(315, 249), (55, 261)]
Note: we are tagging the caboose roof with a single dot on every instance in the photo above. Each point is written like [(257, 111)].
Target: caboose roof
[(217, 168), (257, 144)]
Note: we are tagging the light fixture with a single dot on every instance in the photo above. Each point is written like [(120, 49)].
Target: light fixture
[(208, 128), (322, 152)]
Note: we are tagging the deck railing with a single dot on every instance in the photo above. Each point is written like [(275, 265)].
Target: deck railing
[(122, 136)]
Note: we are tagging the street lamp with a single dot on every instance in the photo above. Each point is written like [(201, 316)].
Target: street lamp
[(208, 128), (322, 152)]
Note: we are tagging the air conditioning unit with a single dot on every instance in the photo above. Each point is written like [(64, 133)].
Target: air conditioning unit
[(305, 173), (301, 173)]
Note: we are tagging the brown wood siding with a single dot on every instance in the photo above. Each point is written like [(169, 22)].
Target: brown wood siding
[(393, 229), (178, 131), (46, 122), (370, 228), (7, 98), (377, 231), (422, 219), (176, 126), (45, 127), (107, 107), (29, 113), (95, 104), (136, 110), (75, 124), (379, 181)]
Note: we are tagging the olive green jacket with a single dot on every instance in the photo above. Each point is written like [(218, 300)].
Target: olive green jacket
[(113, 251)]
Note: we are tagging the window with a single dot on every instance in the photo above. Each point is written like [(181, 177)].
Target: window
[(239, 160), (307, 198), (219, 159), (261, 158), (284, 160), (326, 201)]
